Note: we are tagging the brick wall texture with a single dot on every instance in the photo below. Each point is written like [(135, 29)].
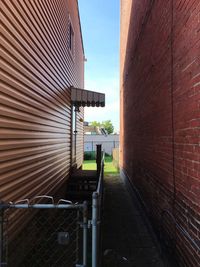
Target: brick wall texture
[(160, 115)]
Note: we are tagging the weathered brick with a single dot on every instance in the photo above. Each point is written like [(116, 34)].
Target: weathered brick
[(160, 112)]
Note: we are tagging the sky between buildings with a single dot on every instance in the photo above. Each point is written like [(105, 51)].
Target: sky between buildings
[(100, 29)]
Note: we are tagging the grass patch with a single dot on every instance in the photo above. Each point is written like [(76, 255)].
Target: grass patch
[(89, 165), (109, 168)]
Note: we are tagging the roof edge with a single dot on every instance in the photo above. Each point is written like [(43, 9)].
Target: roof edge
[(80, 27)]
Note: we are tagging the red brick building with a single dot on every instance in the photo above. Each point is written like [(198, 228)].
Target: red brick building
[(160, 116)]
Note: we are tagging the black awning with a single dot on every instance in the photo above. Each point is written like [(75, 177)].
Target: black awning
[(85, 98)]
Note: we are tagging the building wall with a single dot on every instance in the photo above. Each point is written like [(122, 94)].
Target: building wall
[(160, 114), (35, 118), (108, 142), (80, 137)]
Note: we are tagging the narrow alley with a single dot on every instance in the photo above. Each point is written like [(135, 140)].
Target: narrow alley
[(128, 239), (92, 90)]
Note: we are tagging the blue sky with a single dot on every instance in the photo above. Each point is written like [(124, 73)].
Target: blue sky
[(100, 29)]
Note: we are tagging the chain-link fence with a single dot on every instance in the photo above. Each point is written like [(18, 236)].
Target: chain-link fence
[(47, 235), (34, 233)]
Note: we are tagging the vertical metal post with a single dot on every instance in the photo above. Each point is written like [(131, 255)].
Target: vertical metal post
[(94, 229), (98, 160), (100, 212), (85, 229)]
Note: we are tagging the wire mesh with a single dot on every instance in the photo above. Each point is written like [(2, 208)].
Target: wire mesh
[(46, 237), (3, 238)]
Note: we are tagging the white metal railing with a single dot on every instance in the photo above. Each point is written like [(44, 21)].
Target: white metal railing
[(97, 199), (62, 204)]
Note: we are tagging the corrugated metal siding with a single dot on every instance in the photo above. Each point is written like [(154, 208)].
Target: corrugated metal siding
[(35, 112)]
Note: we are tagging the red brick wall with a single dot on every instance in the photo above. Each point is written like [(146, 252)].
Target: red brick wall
[(160, 84)]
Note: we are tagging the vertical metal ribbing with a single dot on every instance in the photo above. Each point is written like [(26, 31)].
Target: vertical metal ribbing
[(94, 229), (85, 229)]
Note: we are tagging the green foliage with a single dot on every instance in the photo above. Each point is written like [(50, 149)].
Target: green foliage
[(89, 155), (107, 125), (95, 124)]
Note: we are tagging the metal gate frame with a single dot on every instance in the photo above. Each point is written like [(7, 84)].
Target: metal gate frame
[(62, 204), (95, 222)]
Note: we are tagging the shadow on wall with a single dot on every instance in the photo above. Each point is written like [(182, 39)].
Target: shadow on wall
[(157, 118)]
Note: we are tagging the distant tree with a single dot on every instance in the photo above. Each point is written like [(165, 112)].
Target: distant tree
[(95, 124), (107, 125)]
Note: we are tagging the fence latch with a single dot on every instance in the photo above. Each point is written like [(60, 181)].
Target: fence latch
[(82, 225), (93, 222)]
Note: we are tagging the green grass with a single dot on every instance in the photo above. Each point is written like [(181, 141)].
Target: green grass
[(109, 168), (89, 165)]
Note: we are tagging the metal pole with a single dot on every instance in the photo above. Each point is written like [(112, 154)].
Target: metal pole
[(101, 217), (94, 228), (45, 206), (85, 229), (98, 160)]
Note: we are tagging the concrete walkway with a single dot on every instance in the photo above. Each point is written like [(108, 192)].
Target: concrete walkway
[(126, 239)]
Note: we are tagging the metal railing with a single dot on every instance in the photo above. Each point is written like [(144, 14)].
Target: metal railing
[(51, 236), (34, 233), (97, 200)]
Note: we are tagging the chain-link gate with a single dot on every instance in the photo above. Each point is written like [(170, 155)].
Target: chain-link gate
[(47, 235)]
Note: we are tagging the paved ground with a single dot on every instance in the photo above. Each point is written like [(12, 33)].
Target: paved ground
[(125, 235)]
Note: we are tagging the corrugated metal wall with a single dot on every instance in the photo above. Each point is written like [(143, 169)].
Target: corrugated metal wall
[(35, 111)]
